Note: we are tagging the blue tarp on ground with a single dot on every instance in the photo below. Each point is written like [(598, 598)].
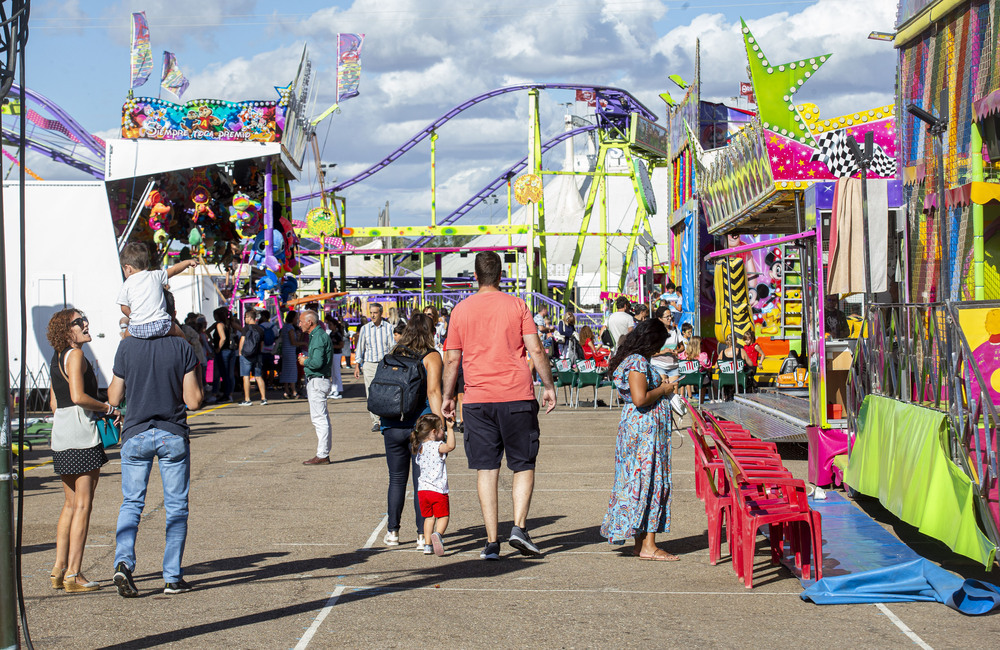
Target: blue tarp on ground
[(864, 563)]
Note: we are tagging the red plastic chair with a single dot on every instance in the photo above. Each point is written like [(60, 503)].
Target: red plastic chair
[(780, 503), (715, 490), (718, 504)]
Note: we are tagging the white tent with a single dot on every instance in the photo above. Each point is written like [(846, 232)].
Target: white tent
[(565, 198)]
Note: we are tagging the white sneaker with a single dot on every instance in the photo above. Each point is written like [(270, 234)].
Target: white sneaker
[(336, 396), (391, 538), (420, 542)]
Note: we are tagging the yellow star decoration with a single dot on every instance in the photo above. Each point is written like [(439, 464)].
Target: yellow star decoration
[(775, 87)]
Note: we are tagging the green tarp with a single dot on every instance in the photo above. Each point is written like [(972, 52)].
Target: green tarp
[(900, 456)]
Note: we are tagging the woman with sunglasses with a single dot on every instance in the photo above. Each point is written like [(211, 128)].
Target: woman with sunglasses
[(77, 452)]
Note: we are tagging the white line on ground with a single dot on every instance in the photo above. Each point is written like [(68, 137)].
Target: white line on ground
[(903, 627), (378, 529), (581, 591), (307, 637), (304, 544)]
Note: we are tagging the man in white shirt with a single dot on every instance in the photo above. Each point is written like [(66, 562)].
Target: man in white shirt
[(621, 322), (374, 341)]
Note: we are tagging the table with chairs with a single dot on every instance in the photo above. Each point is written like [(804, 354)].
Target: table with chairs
[(745, 486), (574, 376)]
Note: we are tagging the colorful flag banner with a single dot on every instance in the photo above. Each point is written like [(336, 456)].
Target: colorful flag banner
[(172, 78), (142, 55), (348, 65)]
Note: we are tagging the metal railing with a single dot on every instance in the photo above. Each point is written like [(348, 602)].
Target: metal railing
[(919, 354)]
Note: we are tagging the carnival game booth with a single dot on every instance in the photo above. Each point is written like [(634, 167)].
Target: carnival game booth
[(918, 431), (775, 188), (782, 193), (209, 179), (923, 398)]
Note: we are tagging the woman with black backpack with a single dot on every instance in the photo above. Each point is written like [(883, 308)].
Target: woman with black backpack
[(417, 342)]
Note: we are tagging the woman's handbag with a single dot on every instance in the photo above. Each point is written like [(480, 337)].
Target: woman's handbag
[(109, 432)]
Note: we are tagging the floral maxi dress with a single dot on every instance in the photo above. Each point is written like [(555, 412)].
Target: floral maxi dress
[(640, 499)]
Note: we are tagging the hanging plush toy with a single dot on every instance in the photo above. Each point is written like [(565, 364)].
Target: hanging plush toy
[(267, 283), (159, 213), (200, 197), (260, 250), (289, 285), (245, 215), (291, 262)]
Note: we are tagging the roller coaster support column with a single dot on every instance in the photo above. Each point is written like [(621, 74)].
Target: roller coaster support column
[(637, 223), (438, 285), (423, 298), (542, 282), (588, 211), (978, 254), (604, 229), (434, 137)]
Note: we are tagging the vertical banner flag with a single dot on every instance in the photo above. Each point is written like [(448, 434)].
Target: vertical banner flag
[(142, 56), (173, 79), (348, 65)]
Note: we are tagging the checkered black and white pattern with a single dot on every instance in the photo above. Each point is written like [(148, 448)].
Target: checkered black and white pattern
[(151, 329), (838, 158)]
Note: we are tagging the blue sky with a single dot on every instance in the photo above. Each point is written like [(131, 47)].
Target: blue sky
[(420, 58)]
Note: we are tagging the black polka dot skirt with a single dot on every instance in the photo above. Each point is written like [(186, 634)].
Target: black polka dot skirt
[(78, 461)]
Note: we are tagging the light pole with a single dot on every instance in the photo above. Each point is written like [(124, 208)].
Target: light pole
[(491, 201)]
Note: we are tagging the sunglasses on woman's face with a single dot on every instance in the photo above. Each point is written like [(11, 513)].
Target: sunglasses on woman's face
[(79, 322)]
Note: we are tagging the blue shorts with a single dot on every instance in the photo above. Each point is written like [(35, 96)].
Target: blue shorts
[(251, 367)]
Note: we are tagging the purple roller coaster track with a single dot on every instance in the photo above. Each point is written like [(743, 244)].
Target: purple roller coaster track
[(613, 107), (53, 133)]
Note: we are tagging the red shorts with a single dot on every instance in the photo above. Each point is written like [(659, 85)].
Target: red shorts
[(432, 504)]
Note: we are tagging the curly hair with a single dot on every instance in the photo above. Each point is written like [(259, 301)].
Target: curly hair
[(646, 340), (58, 333)]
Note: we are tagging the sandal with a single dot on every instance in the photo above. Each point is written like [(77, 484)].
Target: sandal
[(660, 555), (72, 586), (57, 579)]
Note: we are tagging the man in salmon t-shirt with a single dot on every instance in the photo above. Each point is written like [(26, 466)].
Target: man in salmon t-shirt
[(488, 336)]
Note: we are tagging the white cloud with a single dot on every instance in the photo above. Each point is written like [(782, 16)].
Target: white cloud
[(421, 59), (240, 79)]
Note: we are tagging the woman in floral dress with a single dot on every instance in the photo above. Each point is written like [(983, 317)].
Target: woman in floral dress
[(640, 501)]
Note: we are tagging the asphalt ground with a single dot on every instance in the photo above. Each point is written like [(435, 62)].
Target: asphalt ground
[(283, 555)]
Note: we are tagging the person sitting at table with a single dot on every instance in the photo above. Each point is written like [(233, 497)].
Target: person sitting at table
[(727, 354), (592, 348)]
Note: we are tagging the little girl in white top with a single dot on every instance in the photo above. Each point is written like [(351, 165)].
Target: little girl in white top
[(141, 297), (430, 446)]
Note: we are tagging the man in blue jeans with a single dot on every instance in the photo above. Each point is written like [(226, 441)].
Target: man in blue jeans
[(160, 378)]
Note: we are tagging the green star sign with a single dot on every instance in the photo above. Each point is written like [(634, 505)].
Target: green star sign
[(775, 86)]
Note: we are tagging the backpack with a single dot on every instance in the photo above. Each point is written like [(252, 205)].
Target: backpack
[(572, 350), (232, 338), (607, 339), (270, 335), (252, 338), (399, 389)]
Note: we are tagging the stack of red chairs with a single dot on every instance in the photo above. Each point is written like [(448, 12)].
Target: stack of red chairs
[(743, 484)]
